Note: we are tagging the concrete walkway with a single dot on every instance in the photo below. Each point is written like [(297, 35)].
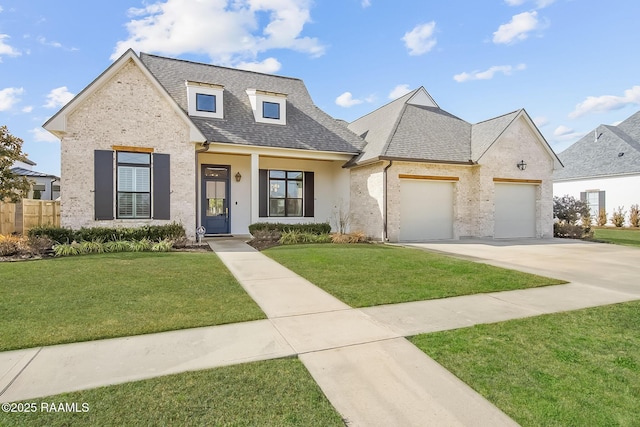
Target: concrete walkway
[(369, 372)]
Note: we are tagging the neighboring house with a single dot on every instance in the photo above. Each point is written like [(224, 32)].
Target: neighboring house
[(48, 185), (426, 174), (603, 168), (154, 140)]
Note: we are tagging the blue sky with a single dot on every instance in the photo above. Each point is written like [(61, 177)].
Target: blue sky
[(572, 64)]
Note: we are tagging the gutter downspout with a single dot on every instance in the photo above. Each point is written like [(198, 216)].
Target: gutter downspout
[(385, 234), (204, 149)]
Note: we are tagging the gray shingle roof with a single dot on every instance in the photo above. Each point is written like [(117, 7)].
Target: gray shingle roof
[(307, 128), (406, 130), (615, 152), (485, 133), (26, 172)]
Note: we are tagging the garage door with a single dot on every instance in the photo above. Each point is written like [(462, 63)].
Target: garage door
[(515, 210), (426, 210)]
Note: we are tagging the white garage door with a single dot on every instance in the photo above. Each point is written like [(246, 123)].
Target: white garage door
[(515, 210), (426, 210)]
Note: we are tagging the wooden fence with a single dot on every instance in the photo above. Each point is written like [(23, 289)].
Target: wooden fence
[(22, 216)]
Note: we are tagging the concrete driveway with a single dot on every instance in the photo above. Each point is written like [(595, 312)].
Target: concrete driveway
[(612, 267)]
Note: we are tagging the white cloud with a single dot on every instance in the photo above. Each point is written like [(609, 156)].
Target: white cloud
[(269, 66), (541, 121), (399, 91), (514, 2), (228, 32), (27, 109), (9, 97), (41, 135), (517, 29), (598, 104), (420, 40), (346, 100), (5, 49), (562, 130), (488, 74), (365, 3), (58, 97)]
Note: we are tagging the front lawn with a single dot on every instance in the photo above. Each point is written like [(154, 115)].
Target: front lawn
[(92, 297), (620, 236), (270, 393), (366, 275), (579, 368)]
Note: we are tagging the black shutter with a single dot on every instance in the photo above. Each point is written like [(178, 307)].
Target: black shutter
[(103, 184), (263, 193), (601, 205), (308, 194), (161, 187)]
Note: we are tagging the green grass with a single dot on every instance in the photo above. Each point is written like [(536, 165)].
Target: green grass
[(366, 275), (92, 297), (579, 368), (620, 236), (270, 393)]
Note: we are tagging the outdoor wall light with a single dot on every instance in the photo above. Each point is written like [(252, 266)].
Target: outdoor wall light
[(522, 165), (238, 177)]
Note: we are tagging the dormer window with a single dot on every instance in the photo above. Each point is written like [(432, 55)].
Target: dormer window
[(205, 100), (271, 110), (268, 107)]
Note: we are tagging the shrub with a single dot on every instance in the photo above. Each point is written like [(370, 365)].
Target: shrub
[(40, 244), (311, 228), (8, 245), (171, 231), (141, 245), (117, 246), (297, 237), (586, 220), (570, 231), (567, 209), (162, 246), (634, 216), (602, 218), (66, 249), (353, 237), (91, 247), (617, 218), (57, 234)]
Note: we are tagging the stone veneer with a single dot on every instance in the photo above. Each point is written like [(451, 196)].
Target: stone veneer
[(126, 111), (473, 193)]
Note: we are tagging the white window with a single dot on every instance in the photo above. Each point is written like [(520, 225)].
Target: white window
[(205, 100), (268, 107)]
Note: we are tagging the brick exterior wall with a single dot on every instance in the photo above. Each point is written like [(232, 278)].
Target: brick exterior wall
[(516, 144), (127, 111), (474, 205)]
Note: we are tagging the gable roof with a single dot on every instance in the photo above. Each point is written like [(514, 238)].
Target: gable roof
[(307, 127), (607, 151), (57, 124), (415, 128)]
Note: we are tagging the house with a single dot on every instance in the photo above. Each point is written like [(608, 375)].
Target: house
[(603, 168), (154, 140), (427, 174), (44, 186)]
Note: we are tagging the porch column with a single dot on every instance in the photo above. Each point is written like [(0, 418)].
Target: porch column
[(255, 190)]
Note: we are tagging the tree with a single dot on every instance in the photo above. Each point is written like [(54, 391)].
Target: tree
[(568, 210), (12, 187)]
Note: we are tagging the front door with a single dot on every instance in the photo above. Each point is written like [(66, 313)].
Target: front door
[(215, 199)]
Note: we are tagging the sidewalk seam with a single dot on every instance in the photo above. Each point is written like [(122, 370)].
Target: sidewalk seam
[(20, 372)]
